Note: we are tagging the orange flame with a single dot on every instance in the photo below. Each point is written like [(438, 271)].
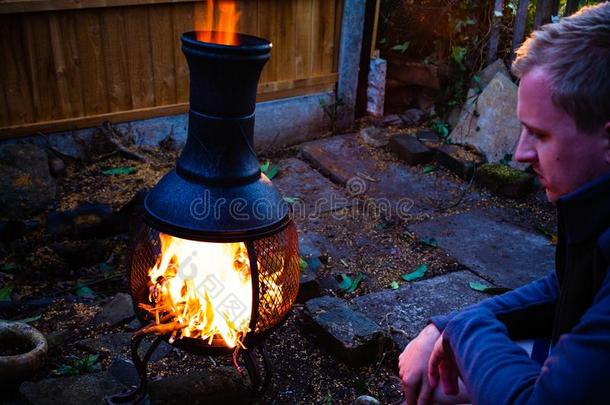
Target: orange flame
[(224, 32)]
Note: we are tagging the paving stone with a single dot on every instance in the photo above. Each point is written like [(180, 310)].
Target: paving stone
[(390, 121), (405, 311), (500, 251), (124, 371), (413, 117), (86, 221), (118, 310), (410, 149), (26, 185), (407, 191), (375, 137), (489, 121), (505, 180), (221, 386), (309, 286), (349, 334), (315, 192), (429, 138), (77, 390), (461, 160), (116, 344)]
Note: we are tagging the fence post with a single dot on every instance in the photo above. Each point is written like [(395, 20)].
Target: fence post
[(571, 7), (544, 10), (520, 22), (496, 16)]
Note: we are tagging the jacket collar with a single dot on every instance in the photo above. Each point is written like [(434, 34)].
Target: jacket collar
[(585, 212)]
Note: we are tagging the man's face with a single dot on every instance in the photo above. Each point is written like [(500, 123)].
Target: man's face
[(563, 157)]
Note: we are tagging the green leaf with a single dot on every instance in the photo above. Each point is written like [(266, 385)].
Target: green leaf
[(394, 285), (303, 266), (478, 286), (292, 200), (415, 274), (107, 269), (458, 53), (8, 267), (429, 168), (349, 284), (359, 278), (429, 241), (31, 319), (5, 293), (118, 171), (382, 41), (83, 291), (270, 170), (346, 282), (78, 366), (401, 47), (265, 166)]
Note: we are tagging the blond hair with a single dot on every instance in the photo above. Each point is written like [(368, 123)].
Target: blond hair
[(576, 53)]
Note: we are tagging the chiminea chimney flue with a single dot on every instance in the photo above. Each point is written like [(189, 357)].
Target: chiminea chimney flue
[(217, 192)]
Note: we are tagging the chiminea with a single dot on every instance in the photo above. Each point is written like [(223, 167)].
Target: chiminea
[(214, 267)]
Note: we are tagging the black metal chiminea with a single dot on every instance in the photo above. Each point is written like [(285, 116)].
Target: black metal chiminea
[(216, 195)]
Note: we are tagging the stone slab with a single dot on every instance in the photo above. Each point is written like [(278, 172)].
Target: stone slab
[(316, 194), (350, 335), (497, 250), (410, 149), (118, 310), (116, 344), (405, 311), (406, 191)]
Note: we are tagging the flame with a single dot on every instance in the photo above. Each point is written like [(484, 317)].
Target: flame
[(224, 32), (200, 290)]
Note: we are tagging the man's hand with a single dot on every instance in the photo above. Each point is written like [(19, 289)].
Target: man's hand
[(442, 366), (413, 366)]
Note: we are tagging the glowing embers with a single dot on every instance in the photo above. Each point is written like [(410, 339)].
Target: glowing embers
[(200, 290)]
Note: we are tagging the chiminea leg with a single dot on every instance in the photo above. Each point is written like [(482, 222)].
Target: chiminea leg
[(259, 386), (138, 394)]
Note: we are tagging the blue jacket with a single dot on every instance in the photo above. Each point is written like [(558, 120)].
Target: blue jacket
[(571, 307)]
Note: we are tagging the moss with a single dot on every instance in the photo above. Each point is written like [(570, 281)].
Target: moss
[(502, 174)]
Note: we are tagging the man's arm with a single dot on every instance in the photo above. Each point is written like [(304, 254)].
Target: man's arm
[(526, 311), (496, 371)]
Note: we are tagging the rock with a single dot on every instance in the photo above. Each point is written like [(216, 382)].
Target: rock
[(497, 250), (414, 73), (489, 121), (429, 138), (118, 310), (124, 371), (405, 311), (351, 336), (87, 221), (399, 97), (489, 72), (461, 160), (375, 94), (454, 117), (117, 344), (410, 149), (309, 287), (413, 117), (26, 185), (222, 386), (76, 390), (366, 400), (505, 180), (57, 167), (374, 137), (78, 254), (390, 121)]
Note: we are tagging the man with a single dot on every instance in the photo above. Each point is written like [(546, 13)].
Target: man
[(564, 108)]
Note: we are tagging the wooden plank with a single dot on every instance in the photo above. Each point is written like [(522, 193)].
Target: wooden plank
[(139, 62), (60, 66), (15, 84), (327, 36), (303, 44), (39, 61), (115, 58), (248, 19), (162, 48), (299, 91), (67, 23), (519, 28), (28, 6), (92, 62), (338, 19), (182, 16), (272, 87), (267, 28), (375, 28), (285, 44)]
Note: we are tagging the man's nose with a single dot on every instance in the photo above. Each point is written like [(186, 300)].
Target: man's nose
[(525, 152)]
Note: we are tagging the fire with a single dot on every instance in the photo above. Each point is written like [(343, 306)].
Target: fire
[(224, 32), (200, 290)]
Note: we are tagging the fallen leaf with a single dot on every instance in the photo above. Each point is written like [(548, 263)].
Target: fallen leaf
[(478, 286), (415, 274), (491, 290), (292, 200), (429, 168), (118, 171), (270, 170), (394, 285), (5, 293), (303, 266), (349, 284), (30, 319), (346, 282), (83, 291)]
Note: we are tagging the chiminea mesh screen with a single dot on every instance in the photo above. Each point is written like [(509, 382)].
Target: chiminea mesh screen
[(277, 260)]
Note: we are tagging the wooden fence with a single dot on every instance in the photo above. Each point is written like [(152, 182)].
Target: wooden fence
[(69, 64)]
